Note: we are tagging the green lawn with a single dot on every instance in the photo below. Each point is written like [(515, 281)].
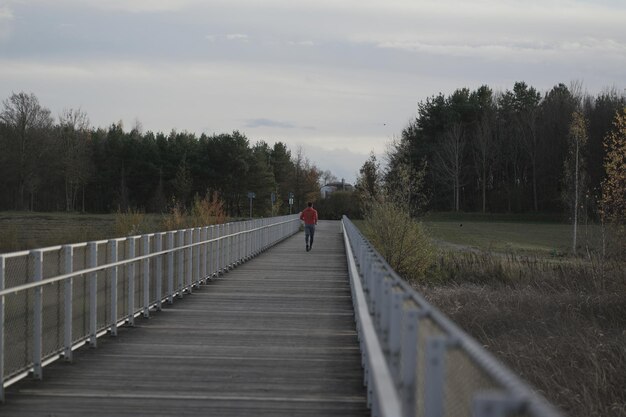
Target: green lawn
[(503, 233)]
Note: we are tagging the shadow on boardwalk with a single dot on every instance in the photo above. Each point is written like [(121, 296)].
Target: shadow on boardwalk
[(273, 337)]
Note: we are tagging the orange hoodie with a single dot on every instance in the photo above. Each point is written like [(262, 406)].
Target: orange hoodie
[(309, 215)]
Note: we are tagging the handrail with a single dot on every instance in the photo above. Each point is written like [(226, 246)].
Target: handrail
[(136, 259), (93, 291), (388, 399), (420, 343)]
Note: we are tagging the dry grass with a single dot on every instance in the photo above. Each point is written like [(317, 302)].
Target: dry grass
[(129, 223), (204, 211), (30, 230), (560, 325)]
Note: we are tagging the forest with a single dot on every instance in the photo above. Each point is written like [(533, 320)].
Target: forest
[(473, 150), (67, 165), (504, 152)]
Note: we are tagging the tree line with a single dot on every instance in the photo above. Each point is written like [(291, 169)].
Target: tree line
[(67, 165), (514, 151)]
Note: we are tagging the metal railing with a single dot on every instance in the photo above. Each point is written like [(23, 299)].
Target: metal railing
[(416, 361), (54, 300)]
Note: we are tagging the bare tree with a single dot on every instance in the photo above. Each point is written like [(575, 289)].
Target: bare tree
[(306, 179), (527, 109), (27, 123), (483, 151), (327, 177), (369, 179), (450, 159), (74, 136), (403, 182), (575, 169)]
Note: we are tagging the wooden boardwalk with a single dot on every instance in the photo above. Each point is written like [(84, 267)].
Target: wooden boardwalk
[(273, 337)]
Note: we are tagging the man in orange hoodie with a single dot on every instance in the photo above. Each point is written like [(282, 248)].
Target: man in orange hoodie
[(309, 217)]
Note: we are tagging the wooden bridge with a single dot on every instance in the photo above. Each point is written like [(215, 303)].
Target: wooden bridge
[(273, 337), (236, 320)]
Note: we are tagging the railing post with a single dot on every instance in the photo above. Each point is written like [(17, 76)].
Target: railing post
[(231, 240), (258, 237), (158, 247), (146, 276), (131, 282), (68, 267), (240, 242), (181, 263), (435, 371), (92, 248), (196, 251), (395, 330), (252, 234), (170, 268), (212, 271), (218, 254), (248, 249), (37, 256), (408, 354), (494, 403), (204, 237), (2, 269), (383, 306), (113, 271), (237, 244), (226, 251), (189, 277)]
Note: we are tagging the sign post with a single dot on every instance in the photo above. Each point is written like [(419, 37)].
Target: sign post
[(251, 196), (290, 201)]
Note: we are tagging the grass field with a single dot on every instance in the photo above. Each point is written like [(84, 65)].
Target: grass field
[(555, 319), (29, 230), (538, 235)]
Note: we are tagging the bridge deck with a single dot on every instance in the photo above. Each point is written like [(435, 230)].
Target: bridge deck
[(273, 337)]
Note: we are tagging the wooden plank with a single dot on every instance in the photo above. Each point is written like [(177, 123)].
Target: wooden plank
[(273, 337)]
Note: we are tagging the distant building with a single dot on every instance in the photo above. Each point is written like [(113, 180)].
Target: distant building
[(331, 187)]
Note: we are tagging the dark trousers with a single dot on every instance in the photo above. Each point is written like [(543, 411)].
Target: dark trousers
[(309, 232)]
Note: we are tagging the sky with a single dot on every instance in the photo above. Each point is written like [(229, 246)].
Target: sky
[(338, 78)]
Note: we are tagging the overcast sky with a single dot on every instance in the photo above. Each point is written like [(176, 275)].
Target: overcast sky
[(340, 78)]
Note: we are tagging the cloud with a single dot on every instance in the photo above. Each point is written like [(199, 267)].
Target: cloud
[(6, 23), (342, 162), (6, 13), (241, 37), (139, 6), (237, 37), (516, 49), (301, 43), (253, 123)]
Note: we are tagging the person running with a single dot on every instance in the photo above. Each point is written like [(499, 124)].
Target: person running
[(309, 217)]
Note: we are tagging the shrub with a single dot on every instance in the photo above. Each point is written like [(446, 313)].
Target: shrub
[(207, 211), (204, 212), (129, 223), (400, 240)]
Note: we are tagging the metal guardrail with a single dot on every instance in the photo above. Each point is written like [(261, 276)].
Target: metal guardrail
[(416, 361), (54, 300)]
